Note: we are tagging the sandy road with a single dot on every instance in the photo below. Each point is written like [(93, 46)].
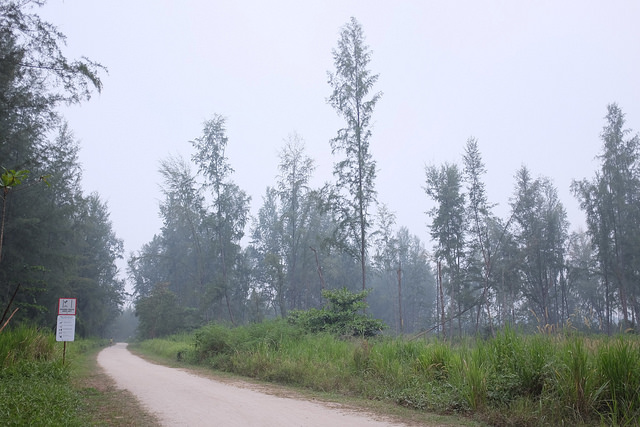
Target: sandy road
[(180, 398)]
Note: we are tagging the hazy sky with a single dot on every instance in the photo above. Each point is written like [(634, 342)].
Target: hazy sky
[(530, 80)]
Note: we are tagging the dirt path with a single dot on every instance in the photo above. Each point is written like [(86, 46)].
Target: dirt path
[(180, 398)]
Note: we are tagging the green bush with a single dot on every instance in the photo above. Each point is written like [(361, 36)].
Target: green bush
[(217, 344), (343, 315)]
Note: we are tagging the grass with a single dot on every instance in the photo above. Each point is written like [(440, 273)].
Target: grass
[(34, 384), (512, 379), (36, 388)]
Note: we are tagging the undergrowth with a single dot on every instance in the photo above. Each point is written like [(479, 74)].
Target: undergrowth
[(34, 383), (511, 379)]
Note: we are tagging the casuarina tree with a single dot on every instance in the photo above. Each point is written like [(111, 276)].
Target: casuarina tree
[(353, 99)]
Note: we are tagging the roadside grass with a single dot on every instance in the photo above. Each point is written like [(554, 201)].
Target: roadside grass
[(261, 372), (34, 384), (511, 379), (37, 389)]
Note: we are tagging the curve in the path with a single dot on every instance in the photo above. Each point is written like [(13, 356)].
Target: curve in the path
[(180, 398)]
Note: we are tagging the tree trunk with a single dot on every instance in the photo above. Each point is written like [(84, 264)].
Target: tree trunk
[(442, 318), (401, 323)]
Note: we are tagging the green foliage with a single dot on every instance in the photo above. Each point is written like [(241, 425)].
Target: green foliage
[(25, 344), (351, 85), (280, 251), (448, 230), (609, 201), (55, 241), (342, 316), (512, 379), (198, 253), (618, 364), (43, 67), (220, 346), (10, 178), (435, 362), (576, 381), (160, 314), (35, 386), (179, 347), (541, 234)]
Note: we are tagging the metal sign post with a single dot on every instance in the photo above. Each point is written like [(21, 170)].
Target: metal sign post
[(66, 327)]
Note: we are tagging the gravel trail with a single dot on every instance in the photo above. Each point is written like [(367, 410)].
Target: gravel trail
[(180, 398)]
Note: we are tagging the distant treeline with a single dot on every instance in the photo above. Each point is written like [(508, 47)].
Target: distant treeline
[(479, 273)]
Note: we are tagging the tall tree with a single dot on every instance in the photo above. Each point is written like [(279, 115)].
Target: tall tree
[(351, 97), (296, 170), (418, 283), (479, 220), (184, 244), (147, 267), (230, 206), (174, 265), (611, 202), (269, 253), (541, 234), (587, 291), (45, 225), (95, 281), (404, 285), (387, 261), (449, 230), (506, 280), (35, 77)]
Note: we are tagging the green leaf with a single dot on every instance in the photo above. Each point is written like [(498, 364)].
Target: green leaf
[(10, 178)]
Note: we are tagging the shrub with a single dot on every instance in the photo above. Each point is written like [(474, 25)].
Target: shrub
[(343, 315)]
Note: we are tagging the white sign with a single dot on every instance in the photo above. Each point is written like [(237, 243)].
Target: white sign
[(67, 306), (66, 328)]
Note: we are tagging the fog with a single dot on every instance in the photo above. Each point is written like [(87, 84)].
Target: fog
[(530, 81)]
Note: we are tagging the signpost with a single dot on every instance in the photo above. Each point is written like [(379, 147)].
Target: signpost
[(66, 327)]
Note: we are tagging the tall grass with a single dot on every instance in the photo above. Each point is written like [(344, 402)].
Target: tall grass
[(512, 379), (34, 384), (618, 365), (178, 346)]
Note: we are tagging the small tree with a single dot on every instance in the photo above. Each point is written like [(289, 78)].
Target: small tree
[(159, 313), (342, 315)]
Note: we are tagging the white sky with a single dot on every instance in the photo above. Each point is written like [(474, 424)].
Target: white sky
[(530, 80)]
